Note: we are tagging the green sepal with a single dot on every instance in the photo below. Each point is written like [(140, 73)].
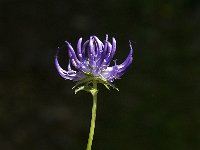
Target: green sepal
[(87, 89), (106, 83), (84, 84), (84, 88), (107, 86), (83, 81), (111, 85)]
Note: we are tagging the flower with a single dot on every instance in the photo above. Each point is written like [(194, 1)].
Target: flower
[(92, 61)]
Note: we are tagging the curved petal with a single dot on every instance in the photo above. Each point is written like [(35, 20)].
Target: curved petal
[(110, 73), (103, 55), (72, 56), (111, 52), (116, 71), (107, 58), (114, 43), (83, 50), (79, 52), (65, 74), (128, 60), (105, 48), (99, 51), (99, 48), (91, 52)]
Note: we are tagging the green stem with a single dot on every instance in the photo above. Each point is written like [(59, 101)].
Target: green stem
[(94, 108)]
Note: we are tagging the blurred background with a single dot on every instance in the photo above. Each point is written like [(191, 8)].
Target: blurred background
[(158, 106)]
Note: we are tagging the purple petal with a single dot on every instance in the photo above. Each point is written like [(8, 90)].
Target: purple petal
[(65, 74), (72, 56), (99, 48), (113, 47), (109, 73), (69, 68), (91, 52), (107, 58), (105, 48), (99, 51), (110, 53), (116, 71), (83, 49), (79, 52), (127, 62)]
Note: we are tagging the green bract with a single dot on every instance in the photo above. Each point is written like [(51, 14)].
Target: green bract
[(86, 83)]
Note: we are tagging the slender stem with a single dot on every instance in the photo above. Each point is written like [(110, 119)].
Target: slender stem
[(94, 108)]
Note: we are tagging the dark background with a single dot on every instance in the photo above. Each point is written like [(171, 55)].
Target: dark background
[(158, 106)]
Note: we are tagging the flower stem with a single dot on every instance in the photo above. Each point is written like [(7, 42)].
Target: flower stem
[(94, 108)]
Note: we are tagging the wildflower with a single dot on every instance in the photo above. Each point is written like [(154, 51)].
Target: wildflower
[(92, 62), (91, 65)]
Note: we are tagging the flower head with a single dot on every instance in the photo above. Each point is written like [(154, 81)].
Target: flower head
[(92, 60)]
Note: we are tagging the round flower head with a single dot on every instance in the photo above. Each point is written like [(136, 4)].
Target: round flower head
[(92, 60)]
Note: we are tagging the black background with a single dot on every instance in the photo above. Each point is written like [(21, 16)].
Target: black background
[(158, 106)]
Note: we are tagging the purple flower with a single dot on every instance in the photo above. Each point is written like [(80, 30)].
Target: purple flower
[(92, 61)]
